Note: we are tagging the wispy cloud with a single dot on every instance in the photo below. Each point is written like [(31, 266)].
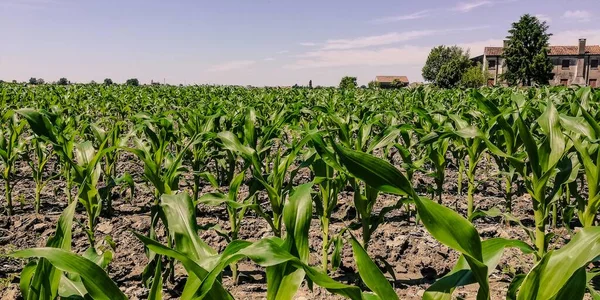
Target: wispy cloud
[(28, 4), (269, 59), (307, 44), (413, 16), (578, 15), (283, 51), (408, 55), (544, 18), (387, 39), (379, 57), (469, 6), (232, 65)]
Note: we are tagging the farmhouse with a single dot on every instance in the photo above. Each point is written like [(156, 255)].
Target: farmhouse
[(388, 81), (572, 64)]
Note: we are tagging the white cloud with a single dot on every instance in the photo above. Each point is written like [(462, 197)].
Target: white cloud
[(578, 15), (544, 18), (269, 59), (338, 58), (283, 51), (402, 56), (387, 39), (469, 6), (307, 44), (232, 65), (571, 37), (413, 16)]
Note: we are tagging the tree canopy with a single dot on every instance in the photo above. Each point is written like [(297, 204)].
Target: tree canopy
[(348, 82), (446, 65), (526, 54)]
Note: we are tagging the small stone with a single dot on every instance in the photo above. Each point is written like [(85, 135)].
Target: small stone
[(39, 227), (105, 227)]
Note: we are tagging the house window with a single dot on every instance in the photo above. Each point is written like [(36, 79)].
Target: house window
[(594, 64), (491, 64), (565, 64), (564, 82)]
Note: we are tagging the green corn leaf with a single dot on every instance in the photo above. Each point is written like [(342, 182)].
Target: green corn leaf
[(180, 214), (95, 280), (232, 143), (25, 278), (444, 224), (269, 253), (551, 274), (46, 278), (461, 274), (370, 273), (195, 271), (157, 283), (550, 124)]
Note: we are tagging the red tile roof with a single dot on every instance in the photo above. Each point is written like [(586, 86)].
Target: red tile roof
[(390, 79), (554, 50)]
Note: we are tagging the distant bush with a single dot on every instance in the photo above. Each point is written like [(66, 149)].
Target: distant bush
[(133, 82), (348, 82), (62, 81), (108, 81)]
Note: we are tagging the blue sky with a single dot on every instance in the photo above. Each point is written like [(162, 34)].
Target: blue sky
[(260, 42)]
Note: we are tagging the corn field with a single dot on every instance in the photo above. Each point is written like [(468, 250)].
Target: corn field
[(209, 192)]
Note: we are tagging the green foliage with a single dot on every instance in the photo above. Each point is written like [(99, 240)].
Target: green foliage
[(526, 55), (474, 77), (63, 81), (288, 156), (373, 84), (108, 81), (445, 66), (348, 82), (132, 82)]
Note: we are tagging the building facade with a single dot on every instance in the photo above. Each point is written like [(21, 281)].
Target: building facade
[(388, 81), (573, 65)]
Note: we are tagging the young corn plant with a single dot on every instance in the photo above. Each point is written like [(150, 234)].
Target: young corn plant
[(38, 164), (330, 183), (546, 163), (163, 170), (285, 260), (60, 273), (473, 141), (202, 128), (85, 166), (236, 210), (12, 147), (584, 132), (112, 138), (502, 134), (363, 201), (273, 179), (444, 224)]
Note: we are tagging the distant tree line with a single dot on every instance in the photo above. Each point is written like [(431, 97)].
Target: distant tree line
[(65, 81)]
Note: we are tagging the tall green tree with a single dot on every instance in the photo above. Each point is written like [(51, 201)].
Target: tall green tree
[(348, 82), (445, 66), (526, 55)]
